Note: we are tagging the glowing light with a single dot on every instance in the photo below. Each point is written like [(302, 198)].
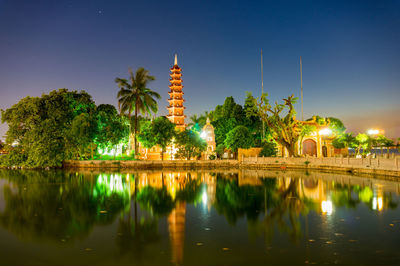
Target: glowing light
[(377, 203), (325, 131), (327, 207), (203, 135), (373, 131), (204, 198)]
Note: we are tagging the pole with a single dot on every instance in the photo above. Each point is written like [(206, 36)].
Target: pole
[(262, 92), (301, 86)]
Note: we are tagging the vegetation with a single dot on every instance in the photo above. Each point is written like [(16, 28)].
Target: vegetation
[(239, 137), (135, 96), (42, 127), (157, 132), (268, 149), (284, 128), (58, 126), (189, 144)]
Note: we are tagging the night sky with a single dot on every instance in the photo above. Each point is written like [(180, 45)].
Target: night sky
[(350, 51)]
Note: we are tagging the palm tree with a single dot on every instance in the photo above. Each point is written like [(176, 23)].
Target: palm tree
[(135, 96), (195, 120)]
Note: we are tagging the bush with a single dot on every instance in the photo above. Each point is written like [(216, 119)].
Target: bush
[(14, 158), (220, 150), (212, 157), (268, 149)]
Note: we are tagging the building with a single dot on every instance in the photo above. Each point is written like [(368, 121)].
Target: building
[(175, 107), (208, 135), (316, 144)]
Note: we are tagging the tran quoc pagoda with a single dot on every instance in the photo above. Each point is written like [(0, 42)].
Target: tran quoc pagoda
[(175, 107), (177, 116)]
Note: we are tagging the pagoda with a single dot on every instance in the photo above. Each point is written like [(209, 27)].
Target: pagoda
[(176, 108)]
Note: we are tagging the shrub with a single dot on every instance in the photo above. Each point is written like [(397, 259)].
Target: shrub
[(268, 149)]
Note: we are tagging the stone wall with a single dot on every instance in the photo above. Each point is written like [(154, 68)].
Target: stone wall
[(374, 166), (156, 164), (244, 153), (385, 166)]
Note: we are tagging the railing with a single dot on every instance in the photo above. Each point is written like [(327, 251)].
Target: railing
[(371, 163)]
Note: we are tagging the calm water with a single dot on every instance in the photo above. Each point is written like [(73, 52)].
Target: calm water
[(197, 218)]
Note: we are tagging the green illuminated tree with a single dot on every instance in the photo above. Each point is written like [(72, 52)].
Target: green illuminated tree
[(40, 126), (158, 132), (113, 129), (239, 137), (81, 134), (189, 144), (135, 96)]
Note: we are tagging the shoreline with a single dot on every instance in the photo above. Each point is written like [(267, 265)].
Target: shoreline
[(226, 165)]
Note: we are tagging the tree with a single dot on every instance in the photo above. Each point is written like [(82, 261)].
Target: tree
[(383, 141), (135, 96), (82, 132), (195, 124), (1, 145), (285, 129), (40, 126), (364, 142), (268, 149), (239, 137), (158, 132), (113, 129), (220, 150), (345, 140), (336, 125), (189, 144), (225, 118)]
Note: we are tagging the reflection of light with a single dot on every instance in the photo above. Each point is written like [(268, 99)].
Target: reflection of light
[(204, 197), (377, 203), (327, 207), (203, 135), (112, 183), (325, 131)]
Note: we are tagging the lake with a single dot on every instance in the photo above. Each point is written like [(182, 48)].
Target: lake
[(197, 218)]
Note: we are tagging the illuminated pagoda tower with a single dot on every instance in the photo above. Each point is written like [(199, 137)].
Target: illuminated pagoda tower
[(176, 108)]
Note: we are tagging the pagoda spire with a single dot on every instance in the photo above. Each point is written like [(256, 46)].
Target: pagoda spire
[(175, 107)]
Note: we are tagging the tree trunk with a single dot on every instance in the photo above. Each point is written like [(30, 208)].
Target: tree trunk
[(162, 154), (136, 118), (91, 150)]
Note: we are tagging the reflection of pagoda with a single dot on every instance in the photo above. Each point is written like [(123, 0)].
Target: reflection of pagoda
[(176, 222), (175, 108)]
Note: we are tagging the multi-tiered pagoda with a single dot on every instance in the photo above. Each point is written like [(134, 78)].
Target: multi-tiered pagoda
[(176, 108)]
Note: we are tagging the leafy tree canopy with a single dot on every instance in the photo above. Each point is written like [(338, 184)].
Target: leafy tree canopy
[(40, 125), (189, 144), (239, 137)]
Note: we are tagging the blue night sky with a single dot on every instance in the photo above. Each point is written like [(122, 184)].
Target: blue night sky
[(350, 51)]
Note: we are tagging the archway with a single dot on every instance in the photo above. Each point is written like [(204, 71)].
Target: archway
[(309, 147)]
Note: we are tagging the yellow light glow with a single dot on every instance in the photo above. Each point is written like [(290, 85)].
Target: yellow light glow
[(377, 203), (325, 131), (327, 207), (374, 131)]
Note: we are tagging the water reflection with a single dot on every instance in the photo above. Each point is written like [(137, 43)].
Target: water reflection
[(59, 206)]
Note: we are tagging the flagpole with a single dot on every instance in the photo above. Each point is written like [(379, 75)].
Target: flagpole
[(301, 86), (262, 92)]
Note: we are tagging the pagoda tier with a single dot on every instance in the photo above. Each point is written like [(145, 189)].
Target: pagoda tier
[(176, 109)]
